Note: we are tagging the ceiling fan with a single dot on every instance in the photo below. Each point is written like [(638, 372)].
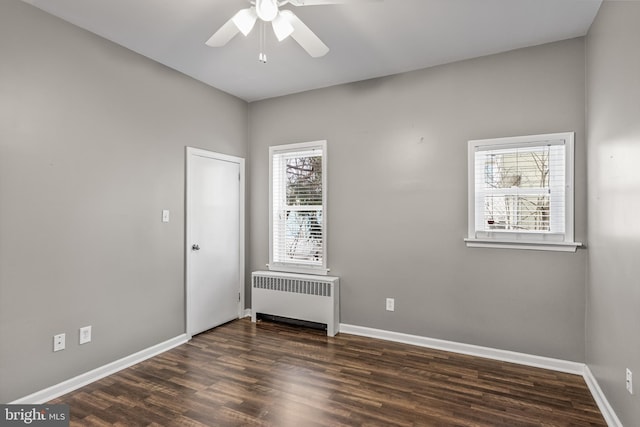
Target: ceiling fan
[(284, 22)]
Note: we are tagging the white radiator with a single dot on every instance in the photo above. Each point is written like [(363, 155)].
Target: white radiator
[(297, 296)]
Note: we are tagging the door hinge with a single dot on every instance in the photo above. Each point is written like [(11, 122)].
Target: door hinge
[(238, 296)]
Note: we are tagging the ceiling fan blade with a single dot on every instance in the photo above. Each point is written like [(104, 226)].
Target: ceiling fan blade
[(304, 36), (223, 35), (243, 21)]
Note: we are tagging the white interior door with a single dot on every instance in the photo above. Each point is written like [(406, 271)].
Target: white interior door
[(214, 239)]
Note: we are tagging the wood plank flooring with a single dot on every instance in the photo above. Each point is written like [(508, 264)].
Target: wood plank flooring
[(268, 374)]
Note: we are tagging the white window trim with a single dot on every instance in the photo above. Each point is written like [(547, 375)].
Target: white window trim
[(290, 267), (519, 240)]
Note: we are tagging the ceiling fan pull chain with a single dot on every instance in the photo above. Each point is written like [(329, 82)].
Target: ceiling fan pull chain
[(262, 56)]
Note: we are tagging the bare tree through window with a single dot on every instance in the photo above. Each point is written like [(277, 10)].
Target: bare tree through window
[(518, 184), (304, 234)]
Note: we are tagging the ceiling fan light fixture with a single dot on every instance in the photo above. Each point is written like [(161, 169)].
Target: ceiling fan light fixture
[(267, 10), (284, 22), (245, 20), (281, 27)]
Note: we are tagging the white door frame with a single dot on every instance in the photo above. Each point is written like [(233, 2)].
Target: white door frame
[(190, 153)]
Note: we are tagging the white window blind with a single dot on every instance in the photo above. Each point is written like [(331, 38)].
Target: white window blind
[(521, 189), (298, 201)]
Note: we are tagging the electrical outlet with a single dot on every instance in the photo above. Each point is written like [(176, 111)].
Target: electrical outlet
[(629, 381), (391, 304), (85, 334), (58, 342)]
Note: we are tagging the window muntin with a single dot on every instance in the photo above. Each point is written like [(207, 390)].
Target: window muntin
[(521, 189), (298, 204)]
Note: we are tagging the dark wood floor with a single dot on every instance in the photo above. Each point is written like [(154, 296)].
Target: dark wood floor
[(266, 374)]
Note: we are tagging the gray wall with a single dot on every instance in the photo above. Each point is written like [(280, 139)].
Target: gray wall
[(613, 309), (92, 141), (397, 153)]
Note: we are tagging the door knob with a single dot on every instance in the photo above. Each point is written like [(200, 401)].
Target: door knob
[(195, 247)]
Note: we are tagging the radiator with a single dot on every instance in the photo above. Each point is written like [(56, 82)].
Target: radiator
[(297, 296)]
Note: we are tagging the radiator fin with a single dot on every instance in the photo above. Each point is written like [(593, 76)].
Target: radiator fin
[(299, 286)]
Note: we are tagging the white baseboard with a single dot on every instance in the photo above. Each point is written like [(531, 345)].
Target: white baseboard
[(472, 350), (247, 313), (601, 400), (81, 380)]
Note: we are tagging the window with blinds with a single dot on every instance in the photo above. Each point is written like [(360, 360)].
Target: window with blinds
[(298, 204), (521, 190)]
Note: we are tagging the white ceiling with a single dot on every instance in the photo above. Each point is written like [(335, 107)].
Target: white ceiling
[(367, 39)]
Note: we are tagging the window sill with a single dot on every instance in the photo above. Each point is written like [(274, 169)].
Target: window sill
[(528, 245)]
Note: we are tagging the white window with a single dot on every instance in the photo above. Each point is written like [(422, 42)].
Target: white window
[(298, 201), (521, 192)]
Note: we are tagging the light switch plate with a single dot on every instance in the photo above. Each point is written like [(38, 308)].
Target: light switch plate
[(165, 215)]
